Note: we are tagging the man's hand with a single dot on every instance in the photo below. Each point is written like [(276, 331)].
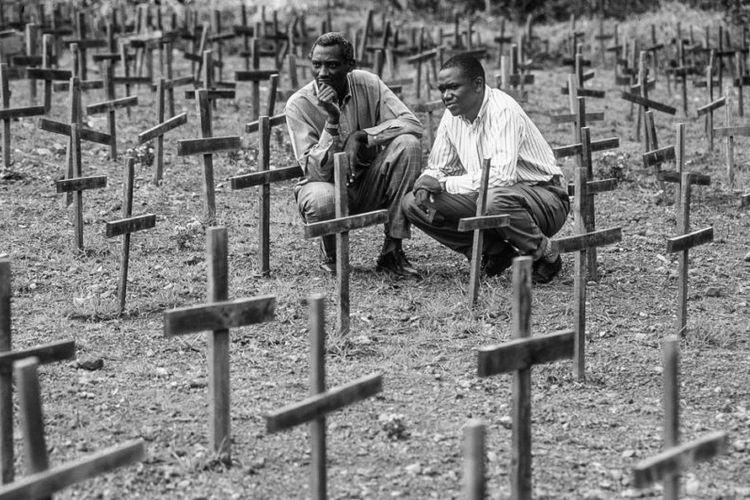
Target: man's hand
[(424, 188), (353, 147), (328, 98)]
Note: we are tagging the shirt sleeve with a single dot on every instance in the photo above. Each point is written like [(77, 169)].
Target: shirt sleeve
[(394, 118), (313, 150)]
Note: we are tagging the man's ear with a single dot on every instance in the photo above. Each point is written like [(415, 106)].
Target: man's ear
[(478, 84)]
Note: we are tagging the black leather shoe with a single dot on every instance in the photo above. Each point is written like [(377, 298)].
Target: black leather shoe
[(496, 264), (396, 264), (329, 261), (544, 271)]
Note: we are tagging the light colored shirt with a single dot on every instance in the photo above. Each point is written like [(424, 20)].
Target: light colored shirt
[(502, 132), (369, 105)]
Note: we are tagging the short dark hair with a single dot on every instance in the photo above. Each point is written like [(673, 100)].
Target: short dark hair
[(335, 38), (468, 64)]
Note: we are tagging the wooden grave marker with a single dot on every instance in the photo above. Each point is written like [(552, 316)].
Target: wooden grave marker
[(583, 151), (42, 481), (218, 316), (47, 73), (8, 114), (681, 244), (741, 81), (48, 353), (208, 82), (207, 145), (581, 78), (474, 460), (75, 182), (675, 458), (110, 106), (582, 243), (511, 79), (578, 116), (255, 75), (321, 401), (170, 81), (340, 226), (84, 43), (263, 178), (518, 356), (729, 131), (430, 108), (480, 222), (124, 227), (157, 131), (713, 104)]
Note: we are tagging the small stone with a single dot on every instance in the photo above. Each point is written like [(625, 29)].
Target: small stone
[(90, 363), (413, 469), (198, 384), (506, 421), (692, 486), (628, 453), (747, 257), (713, 291)]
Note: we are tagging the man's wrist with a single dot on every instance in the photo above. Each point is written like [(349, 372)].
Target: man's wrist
[(332, 127)]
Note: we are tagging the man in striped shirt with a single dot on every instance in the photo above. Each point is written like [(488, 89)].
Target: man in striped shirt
[(354, 112), (524, 182)]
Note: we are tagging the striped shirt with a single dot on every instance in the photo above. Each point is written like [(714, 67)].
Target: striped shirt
[(502, 132), (369, 105)]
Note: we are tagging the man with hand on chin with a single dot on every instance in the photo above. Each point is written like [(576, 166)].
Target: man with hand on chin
[(353, 111), (525, 182)]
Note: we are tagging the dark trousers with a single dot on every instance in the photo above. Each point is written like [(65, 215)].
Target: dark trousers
[(534, 210)]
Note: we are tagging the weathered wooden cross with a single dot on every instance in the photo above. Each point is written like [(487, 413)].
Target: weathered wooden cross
[(583, 150), (582, 243), (49, 353), (42, 481), (321, 401), (511, 80), (682, 243), (518, 356), (578, 89), (713, 104), (157, 131), (675, 458), (263, 178), (729, 131), (124, 227), (7, 114), (218, 316), (474, 460), (171, 82), (47, 73), (340, 226), (480, 222), (207, 146), (577, 116), (257, 75)]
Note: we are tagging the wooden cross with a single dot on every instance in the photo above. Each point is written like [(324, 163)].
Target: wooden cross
[(340, 226), (170, 81), (583, 151), (518, 356), (110, 106), (429, 108), (48, 353), (713, 104), (208, 82), (418, 60), (501, 40), (127, 79), (124, 227), (474, 460), (676, 458), (47, 73), (478, 224), (682, 71), (577, 116), (643, 86), (218, 316), (256, 75), (207, 145), (321, 401), (7, 114), (246, 31), (263, 178), (742, 80), (682, 243), (42, 481), (510, 79), (84, 42), (581, 77), (603, 36), (729, 132), (582, 243), (157, 131)]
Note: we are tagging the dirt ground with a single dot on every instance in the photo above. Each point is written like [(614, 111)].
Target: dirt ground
[(406, 442)]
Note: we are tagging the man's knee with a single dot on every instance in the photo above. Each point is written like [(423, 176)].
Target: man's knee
[(407, 142), (409, 205), (315, 201)]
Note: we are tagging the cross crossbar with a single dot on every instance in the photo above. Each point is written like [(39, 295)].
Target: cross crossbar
[(686, 241), (47, 353), (326, 402), (265, 177), (712, 106), (642, 101), (576, 149), (64, 129), (587, 240), (483, 222), (103, 107), (81, 183), (343, 224), (208, 145), (676, 177), (595, 187), (572, 118), (49, 74), (659, 156), (7, 114), (522, 353), (255, 75), (219, 315), (162, 128), (272, 122), (213, 94), (732, 131), (130, 225)]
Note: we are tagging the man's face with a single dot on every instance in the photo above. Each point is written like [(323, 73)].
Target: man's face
[(330, 68), (460, 95)]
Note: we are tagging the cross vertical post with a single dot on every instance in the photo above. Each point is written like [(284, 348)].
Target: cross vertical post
[(474, 462), (341, 203), (318, 485), (6, 378)]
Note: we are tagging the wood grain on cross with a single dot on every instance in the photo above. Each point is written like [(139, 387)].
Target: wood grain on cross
[(47, 73), (478, 224), (582, 243), (218, 316), (682, 243), (207, 145), (321, 401), (264, 177), (676, 458), (518, 356), (583, 151), (8, 114), (124, 227), (340, 226), (157, 131)]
